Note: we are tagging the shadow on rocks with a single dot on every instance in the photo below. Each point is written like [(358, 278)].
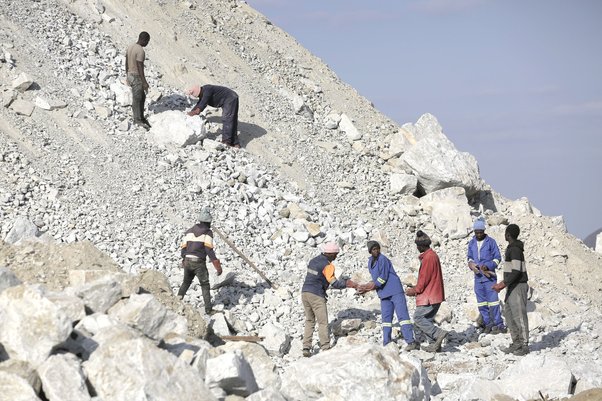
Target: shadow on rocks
[(246, 131), (170, 102), (237, 292), (552, 339)]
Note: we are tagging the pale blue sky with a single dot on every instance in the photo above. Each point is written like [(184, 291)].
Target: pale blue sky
[(515, 83)]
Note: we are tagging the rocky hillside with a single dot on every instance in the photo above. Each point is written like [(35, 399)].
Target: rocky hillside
[(93, 209)]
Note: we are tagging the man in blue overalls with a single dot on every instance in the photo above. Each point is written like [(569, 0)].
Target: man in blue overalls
[(392, 298), (483, 258)]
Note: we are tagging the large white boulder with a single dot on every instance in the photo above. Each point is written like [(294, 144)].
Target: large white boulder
[(435, 160), (137, 370), (354, 373), (176, 128), (347, 126), (123, 93), (15, 388), (401, 183), (22, 82), (31, 325), (264, 368), (276, 339), (101, 294), (23, 228), (449, 211)]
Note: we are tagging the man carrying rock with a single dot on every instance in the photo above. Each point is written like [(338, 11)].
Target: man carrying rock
[(218, 96), (320, 275), (429, 293), (197, 246), (483, 258), (134, 67), (515, 280), (388, 286)]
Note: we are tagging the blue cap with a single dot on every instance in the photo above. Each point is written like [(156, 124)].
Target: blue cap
[(479, 225)]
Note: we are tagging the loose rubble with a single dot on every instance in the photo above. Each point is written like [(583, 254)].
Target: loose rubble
[(93, 209)]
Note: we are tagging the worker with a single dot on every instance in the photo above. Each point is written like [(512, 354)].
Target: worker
[(390, 291), (320, 275), (196, 247), (134, 68), (516, 282), (483, 259), (429, 293), (218, 96)]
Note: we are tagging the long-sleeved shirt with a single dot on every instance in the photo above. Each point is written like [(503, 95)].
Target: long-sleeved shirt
[(515, 268), (320, 275), (484, 253), (214, 96), (429, 289), (384, 276), (198, 242)]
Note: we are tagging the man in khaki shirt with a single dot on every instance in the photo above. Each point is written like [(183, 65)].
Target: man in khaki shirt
[(134, 67)]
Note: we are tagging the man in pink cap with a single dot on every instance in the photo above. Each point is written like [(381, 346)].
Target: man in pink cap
[(218, 96), (320, 276)]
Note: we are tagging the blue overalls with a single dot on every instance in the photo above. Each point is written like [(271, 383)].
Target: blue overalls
[(487, 299), (392, 298)]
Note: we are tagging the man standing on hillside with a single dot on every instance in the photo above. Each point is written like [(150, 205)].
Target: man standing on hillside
[(134, 67), (515, 280), (197, 246), (483, 258), (429, 293), (320, 276), (218, 96)]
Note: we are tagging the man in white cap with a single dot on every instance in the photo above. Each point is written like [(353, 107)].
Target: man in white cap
[(320, 275), (197, 246), (218, 96)]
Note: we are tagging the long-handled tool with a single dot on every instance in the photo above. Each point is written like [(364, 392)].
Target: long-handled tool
[(242, 255)]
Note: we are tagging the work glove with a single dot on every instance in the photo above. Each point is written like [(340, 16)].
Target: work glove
[(218, 266)]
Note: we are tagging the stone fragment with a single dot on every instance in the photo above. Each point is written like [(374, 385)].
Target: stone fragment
[(403, 183), (232, 373), (22, 229), (22, 82), (63, 379), (449, 211), (347, 126), (275, 338), (7, 278), (15, 388), (32, 325), (22, 107), (24, 370), (264, 368), (123, 93), (177, 128), (101, 294)]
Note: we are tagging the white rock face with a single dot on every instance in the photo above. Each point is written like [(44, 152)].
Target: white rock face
[(101, 294), (449, 211), (23, 228), (232, 373), (15, 388), (177, 128), (275, 339), (145, 313), (347, 126), (31, 324), (263, 366), (599, 243), (63, 379), (144, 372), (437, 163), (355, 373), (403, 183)]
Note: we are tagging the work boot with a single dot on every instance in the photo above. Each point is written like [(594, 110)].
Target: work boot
[(436, 346), (485, 330), (142, 124), (306, 353), (510, 349), (498, 330), (522, 350), (412, 347)]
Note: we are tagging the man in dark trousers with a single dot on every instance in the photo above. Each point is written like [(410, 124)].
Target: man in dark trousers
[(429, 293), (134, 68), (517, 290), (320, 275), (218, 96), (197, 246)]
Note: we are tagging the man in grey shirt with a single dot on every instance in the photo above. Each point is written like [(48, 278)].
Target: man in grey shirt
[(134, 67)]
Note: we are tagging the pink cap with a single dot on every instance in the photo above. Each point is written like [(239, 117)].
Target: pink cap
[(331, 247), (194, 91)]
